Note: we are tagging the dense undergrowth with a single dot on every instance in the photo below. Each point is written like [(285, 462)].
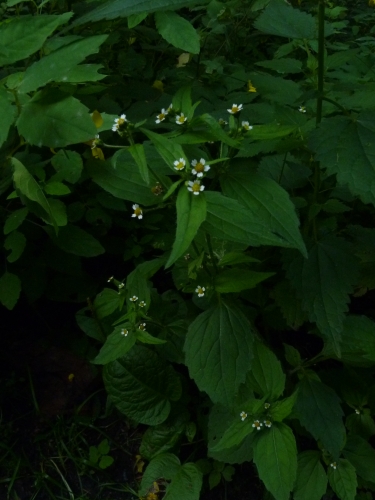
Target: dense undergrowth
[(188, 215)]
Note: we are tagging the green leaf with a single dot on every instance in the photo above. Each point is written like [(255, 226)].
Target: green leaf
[(276, 89), (272, 131), (73, 239), (289, 304), (234, 434), (58, 210), (106, 302), (56, 188), (146, 338), (283, 408), (346, 149), (137, 281), (191, 212), (115, 346), (165, 465), (292, 355), (122, 179), (10, 289), (15, 219), (68, 165), (362, 456), (182, 100), (268, 202), (323, 283), (281, 19), (357, 342), (88, 325), (118, 8), (311, 479), (275, 455), (236, 280), (343, 480), (163, 437), (168, 149), (103, 447), (61, 120), (22, 36), (362, 425), (7, 116), (56, 66), (219, 351), (138, 153), (15, 242), (141, 385), (135, 19), (284, 65), (205, 128), (214, 479), (319, 411), (26, 183), (177, 31), (266, 376), (106, 461), (186, 483), (232, 258)]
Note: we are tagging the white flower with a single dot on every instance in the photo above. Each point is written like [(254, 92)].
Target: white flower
[(179, 164), (243, 415), (161, 116), (142, 303), (109, 279), (133, 299), (180, 119), (199, 167), (138, 212), (235, 109), (142, 326), (266, 405), (302, 109), (119, 122), (124, 332), (333, 465), (195, 187), (200, 291), (121, 285), (357, 411), (267, 423), (246, 126), (257, 425), (222, 122), (169, 108)]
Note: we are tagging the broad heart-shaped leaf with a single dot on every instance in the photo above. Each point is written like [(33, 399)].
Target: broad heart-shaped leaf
[(15, 242), (268, 202), (236, 280), (186, 483), (61, 120), (22, 36), (28, 186), (177, 31), (10, 289), (73, 239), (357, 342), (282, 20), (275, 455), (219, 351), (191, 212), (68, 165), (343, 480), (323, 283), (311, 479), (164, 466), (118, 8), (141, 385), (319, 411), (266, 376), (56, 66), (227, 219), (345, 148), (163, 437), (362, 456), (7, 116), (116, 345), (122, 179)]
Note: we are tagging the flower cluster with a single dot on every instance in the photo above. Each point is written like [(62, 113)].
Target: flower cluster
[(119, 122)]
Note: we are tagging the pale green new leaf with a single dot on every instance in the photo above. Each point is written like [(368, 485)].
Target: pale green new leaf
[(61, 119), (16, 243), (191, 212), (275, 455), (283, 408), (311, 479), (362, 455), (319, 411), (234, 434), (142, 385), (115, 346), (10, 289), (268, 202), (345, 148), (7, 115), (22, 36), (164, 466), (186, 483), (15, 219), (55, 66), (323, 283), (236, 280), (343, 480), (219, 351), (266, 376), (177, 31)]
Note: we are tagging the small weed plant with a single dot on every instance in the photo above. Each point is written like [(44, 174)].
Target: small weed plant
[(217, 161)]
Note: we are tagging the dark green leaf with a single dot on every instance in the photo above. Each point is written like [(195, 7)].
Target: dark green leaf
[(186, 483), (8, 113), (15, 219), (10, 289), (362, 455), (343, 480), (73, 239), (283, 408), (15, 242), (115, 346), (177, 31), (138, 153), (292, 355), (284, 65), (56, 188), (168, 149), (163, 437), (106, 302), (146, 338), (68, 165), (311, 480), (236, 280), (106, 461)]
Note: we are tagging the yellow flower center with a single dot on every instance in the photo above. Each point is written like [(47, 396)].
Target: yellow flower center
[(181, 119), (180, 165), (161, 116), (120, 122), (138, 211), (196, 187), (199, 167)]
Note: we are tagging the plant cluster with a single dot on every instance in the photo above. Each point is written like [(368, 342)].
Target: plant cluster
[(221, 160)]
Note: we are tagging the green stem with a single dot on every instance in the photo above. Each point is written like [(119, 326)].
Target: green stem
[(344, 110), (210, 251), (111, 146), (282, 168), (321, 48)]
